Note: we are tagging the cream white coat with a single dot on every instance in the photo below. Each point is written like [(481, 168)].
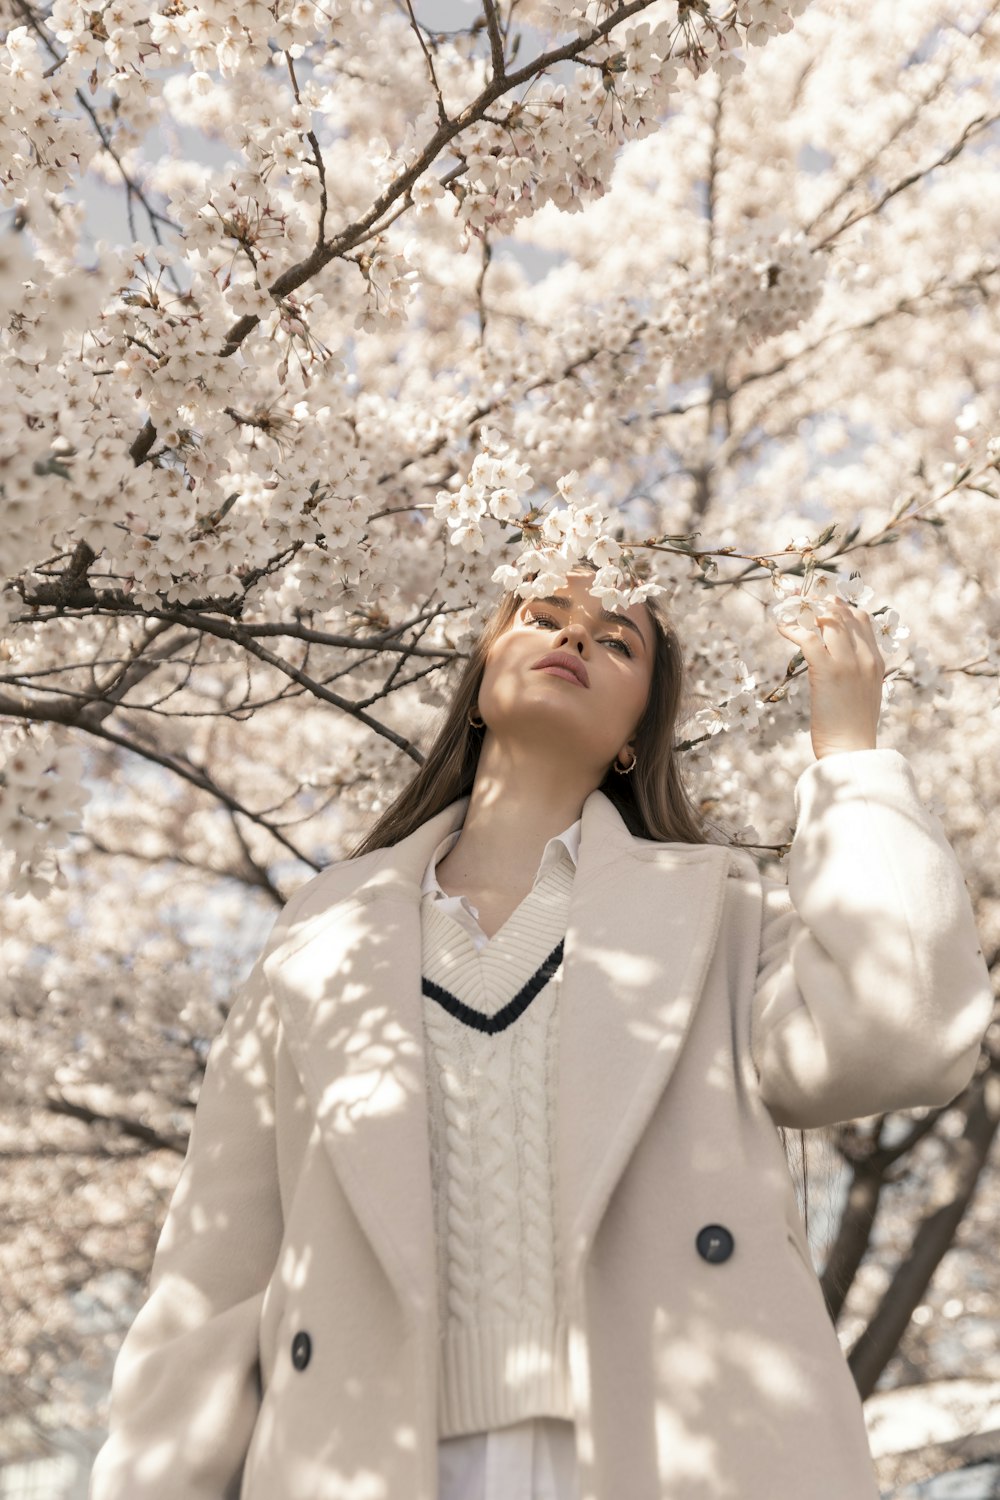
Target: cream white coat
[(699, 1007)]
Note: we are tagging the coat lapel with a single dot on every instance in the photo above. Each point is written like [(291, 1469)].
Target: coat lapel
[(642, 924), (348, 987), (641, 930)]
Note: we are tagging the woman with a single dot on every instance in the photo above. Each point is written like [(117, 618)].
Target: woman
[(484, 1198)]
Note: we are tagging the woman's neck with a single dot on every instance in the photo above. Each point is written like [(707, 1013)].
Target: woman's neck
[(499, 849)]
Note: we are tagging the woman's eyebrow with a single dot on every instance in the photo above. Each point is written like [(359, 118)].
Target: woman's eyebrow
[(605, 614)]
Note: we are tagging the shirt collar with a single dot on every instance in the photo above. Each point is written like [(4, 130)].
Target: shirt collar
[(568, 841)]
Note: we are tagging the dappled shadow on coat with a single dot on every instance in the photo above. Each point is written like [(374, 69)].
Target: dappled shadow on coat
[(289, 1346), (714, 1379), (272, 1356)]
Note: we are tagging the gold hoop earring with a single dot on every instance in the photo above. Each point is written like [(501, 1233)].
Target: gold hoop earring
[(626, 770), (476, 724)]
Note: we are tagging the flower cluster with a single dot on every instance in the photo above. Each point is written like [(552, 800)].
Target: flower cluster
[(559, 145), (495, 483), (736, 703), (41, 798), (801, 602), (388, 285), (759, 286), (551, 566), (553, 541)]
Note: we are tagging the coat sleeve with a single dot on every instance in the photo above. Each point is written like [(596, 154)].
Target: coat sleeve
[(872, 991), (185, 1389)]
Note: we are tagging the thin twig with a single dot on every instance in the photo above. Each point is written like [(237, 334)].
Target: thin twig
[(317, 156), (130, 187), (496, 39), (52, 714), (974, 128), (480, 286), (442, 112)]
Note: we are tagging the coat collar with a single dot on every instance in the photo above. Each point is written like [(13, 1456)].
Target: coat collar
[(642, 924)]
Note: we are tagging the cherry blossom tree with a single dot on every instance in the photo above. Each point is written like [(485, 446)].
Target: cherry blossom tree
[(700, 294)]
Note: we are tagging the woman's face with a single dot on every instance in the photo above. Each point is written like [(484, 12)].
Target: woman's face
[(589, 725)]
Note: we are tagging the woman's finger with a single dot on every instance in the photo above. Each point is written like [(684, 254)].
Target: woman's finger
[(809, 642), (839, 629), (850, 640), (844, 638)]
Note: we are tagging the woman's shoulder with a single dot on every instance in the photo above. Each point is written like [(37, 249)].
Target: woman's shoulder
[(317, 892), (740, 863)]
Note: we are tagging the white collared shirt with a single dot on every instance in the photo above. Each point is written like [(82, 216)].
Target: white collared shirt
[(534, 1459), (460, 907)]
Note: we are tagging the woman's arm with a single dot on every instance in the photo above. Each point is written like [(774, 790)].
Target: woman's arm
[(872, 990), (185, 1391)]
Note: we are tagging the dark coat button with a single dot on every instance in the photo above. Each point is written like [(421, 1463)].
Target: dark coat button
[(301, 1350), (714, 1243)]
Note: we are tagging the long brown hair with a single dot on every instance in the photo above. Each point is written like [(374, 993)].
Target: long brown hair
[(652, 799)]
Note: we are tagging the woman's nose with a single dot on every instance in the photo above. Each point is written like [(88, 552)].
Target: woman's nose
[(573, 635)]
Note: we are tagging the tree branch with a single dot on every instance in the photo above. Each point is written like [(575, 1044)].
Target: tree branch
[(295, 276), (872, 161), (257, 876), (870, 1166), (57, 1104), (232, 632), (54, 714)]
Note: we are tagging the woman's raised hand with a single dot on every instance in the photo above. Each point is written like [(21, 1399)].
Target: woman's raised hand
[(845, 670)]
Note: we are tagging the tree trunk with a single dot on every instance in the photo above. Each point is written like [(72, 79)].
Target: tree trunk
[(877, 1344)]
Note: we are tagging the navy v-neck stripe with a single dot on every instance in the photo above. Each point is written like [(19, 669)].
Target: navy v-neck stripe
[(508, 1013)]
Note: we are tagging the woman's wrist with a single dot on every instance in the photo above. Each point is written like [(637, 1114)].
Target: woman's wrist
[(847, 749)]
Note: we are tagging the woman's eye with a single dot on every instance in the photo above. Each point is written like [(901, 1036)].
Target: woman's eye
[(613, 640)]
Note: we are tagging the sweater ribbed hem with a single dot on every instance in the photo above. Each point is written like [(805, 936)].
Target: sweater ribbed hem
[(490, 1375)]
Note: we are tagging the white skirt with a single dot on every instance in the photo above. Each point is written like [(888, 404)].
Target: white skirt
[(531, 1460)]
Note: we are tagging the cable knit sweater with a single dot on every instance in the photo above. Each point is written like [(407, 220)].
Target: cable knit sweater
[(491, 1038)]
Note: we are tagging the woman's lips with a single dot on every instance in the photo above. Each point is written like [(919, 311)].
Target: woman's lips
[(562, 672)]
